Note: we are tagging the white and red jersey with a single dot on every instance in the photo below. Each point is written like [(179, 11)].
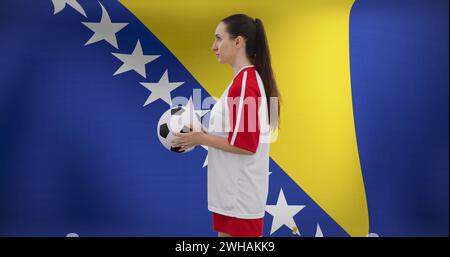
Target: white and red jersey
[(237, 183)]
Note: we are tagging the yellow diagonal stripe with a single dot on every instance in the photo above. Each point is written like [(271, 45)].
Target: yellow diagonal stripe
[(309, 42)]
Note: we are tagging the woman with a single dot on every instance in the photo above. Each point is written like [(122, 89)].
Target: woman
[(238, 133)]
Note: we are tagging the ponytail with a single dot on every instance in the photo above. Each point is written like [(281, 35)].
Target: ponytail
[(263, 65), (257, 49)]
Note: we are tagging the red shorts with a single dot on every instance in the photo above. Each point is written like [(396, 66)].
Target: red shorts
[(237, 227)]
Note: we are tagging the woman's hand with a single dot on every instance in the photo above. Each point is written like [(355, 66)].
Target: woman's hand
[(188, 140)]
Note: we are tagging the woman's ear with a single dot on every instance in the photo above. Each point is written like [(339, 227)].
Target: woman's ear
[(239, 42)]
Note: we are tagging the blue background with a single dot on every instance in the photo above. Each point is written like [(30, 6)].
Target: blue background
[(79, 153)]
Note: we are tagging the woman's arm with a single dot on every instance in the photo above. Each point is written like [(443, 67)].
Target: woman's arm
[(222, 144), (187, 140)]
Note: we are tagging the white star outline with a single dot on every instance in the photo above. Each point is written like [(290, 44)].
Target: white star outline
[(283, 214), (161, 89), (104, 29), (135, 61), (59, 5)]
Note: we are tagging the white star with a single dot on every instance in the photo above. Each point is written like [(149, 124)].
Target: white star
[(135, 61), (59, 5), (161, 89), (319, 231), (206, 159), (283, 214), (104, 30)]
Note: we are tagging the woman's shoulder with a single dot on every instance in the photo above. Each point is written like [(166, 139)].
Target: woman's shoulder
[(251, 84), (246, 71)]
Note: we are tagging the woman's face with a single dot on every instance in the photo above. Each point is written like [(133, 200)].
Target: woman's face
[(224, 46)]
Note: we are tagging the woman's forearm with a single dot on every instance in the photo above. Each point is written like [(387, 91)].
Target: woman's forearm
[(222, 144)]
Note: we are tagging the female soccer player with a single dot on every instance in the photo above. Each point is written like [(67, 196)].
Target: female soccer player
[(239, 128)]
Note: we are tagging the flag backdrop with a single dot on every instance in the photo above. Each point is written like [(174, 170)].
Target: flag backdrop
[(363, 144)]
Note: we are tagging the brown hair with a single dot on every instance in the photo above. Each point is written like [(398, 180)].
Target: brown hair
[(257, 49)]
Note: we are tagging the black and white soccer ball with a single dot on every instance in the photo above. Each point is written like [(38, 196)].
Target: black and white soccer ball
[(173, 121)]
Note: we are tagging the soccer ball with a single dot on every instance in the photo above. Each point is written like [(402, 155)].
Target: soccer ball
[(175, 120)]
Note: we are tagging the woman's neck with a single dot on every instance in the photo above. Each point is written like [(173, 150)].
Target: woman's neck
[(237, 66)]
